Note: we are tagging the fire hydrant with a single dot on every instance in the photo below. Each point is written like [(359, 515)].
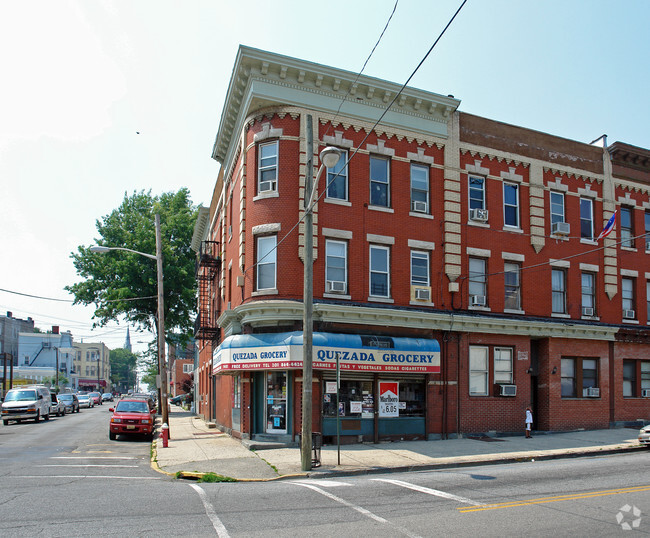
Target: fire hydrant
[(165, 435)]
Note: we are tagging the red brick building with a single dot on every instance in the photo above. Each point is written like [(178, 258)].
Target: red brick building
[(457, 269)]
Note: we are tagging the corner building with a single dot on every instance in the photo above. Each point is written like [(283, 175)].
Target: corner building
[(457, 276)]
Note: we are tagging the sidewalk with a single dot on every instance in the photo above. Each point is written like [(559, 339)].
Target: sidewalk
[(194, 448)]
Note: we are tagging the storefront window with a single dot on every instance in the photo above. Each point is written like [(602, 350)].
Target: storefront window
[(411, 399), (276, 402), (355, 399)]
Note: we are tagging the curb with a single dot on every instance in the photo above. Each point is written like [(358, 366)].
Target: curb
[(476, 461)]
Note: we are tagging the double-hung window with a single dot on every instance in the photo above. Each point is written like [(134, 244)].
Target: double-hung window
[(336, 266), (477, 282), (588, 288), (511, 204), (379, 271), (266, 262), (478, 370), (419, 188), (476, 192), (629, 379), (558, 278), (647, 299), (503, 373), (337, 178), (627, 295), (586, 218), (512, 286), (627, 227), (188, 368), (484, 373), (557, 207), (580, 374), (419, 268), (379, 182), (267, 171), (647, 231)]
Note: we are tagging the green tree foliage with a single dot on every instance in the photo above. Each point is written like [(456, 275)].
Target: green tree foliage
[(123, 369), (123, 284)]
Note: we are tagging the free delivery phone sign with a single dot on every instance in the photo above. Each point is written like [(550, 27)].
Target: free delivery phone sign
[(388, 399)]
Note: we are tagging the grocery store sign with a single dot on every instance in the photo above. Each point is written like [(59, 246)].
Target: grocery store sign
[(408, 355)]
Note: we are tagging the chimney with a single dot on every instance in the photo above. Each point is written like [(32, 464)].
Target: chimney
[(9, 314), (55, 329)]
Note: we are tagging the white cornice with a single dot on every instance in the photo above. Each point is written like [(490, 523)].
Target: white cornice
[(262, 79), (278, 313)]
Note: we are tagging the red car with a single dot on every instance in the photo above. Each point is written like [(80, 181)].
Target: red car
[(132, 417), (97, 398)]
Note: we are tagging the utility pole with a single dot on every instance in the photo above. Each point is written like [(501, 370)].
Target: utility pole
[(308, 300), (161, 326)]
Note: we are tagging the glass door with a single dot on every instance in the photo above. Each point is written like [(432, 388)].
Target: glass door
[(276, 402)]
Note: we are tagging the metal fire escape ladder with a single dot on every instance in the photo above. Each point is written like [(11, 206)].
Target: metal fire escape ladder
[(207, 269)]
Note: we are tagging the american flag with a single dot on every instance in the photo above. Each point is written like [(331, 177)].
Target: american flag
[(608, 227)]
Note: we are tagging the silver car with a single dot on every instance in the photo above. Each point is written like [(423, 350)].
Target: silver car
[(57, 407), (85, 400), (644, 435)]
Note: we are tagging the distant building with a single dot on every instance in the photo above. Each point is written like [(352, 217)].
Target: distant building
[(92, 363), (181, 367), (10, 328), (41, 355), (127, 343)]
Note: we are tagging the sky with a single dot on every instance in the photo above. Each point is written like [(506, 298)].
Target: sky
[(103, 98)]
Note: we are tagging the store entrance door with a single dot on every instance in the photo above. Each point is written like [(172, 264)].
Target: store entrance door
[(276, 402)]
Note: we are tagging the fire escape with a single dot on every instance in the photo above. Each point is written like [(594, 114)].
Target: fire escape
[(207, 268)]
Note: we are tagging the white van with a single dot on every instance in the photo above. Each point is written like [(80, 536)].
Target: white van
[(30, 401)]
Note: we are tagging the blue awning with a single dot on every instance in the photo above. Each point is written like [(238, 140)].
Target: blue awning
[(282, 351)]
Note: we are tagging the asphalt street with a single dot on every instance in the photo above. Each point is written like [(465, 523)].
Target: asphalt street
[(65, 477)]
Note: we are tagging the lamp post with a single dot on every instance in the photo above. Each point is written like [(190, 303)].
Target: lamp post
[(162, 368), (328, 158)]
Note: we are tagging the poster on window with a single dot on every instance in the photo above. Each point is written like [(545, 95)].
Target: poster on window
[(388, 399)]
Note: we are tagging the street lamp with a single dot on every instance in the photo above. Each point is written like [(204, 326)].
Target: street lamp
[(162, 368), (328, 158)]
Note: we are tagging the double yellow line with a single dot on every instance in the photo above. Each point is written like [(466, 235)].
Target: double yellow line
[(559, 498)]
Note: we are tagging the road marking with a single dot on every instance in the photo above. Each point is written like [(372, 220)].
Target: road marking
[(559, 498), (40, 476), (94, 458), (359, 509), (430, 491), (84, 465), (324, 482), (209, 510)]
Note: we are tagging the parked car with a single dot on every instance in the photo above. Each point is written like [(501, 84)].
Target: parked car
[(146, 397), (85, 400), (30, 401), (107, 397), (644, 436), (70, 401), (132, 416), (97, 398), (178, 400), (56, 407)]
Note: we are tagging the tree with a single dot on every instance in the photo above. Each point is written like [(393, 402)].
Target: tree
[(123, 284), (123, 368)]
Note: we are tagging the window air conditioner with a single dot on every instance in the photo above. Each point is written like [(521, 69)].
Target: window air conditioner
[(422, 294), (587, 311), (508, 390), (629, 314), (645, 393), (591, 392), (560, 228), (335, 286), (419, 206), (266, 186), (477, 300), (477, 214)]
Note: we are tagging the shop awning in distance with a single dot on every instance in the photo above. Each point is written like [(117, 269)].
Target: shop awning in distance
[(283, 351)]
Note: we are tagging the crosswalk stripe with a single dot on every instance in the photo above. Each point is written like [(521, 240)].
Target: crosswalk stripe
[(430, 491)]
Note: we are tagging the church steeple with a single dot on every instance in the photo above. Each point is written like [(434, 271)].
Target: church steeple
[(127, 343)]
